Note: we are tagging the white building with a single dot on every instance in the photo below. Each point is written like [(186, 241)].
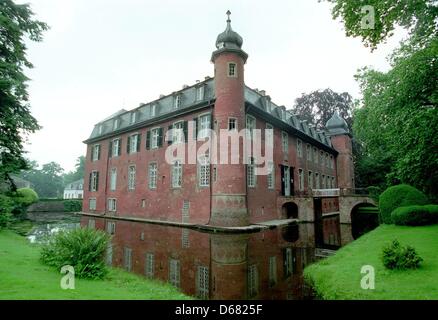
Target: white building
[(74, 190)]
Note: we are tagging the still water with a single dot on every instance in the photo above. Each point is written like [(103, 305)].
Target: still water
[(262, 265)]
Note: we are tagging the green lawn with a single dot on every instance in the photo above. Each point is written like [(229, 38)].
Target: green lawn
[(22, 276), (338, 277)]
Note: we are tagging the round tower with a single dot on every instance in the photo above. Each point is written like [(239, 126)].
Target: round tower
[(229, 190), (341, 140)]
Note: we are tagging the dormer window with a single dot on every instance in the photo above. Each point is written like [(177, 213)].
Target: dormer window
[(232, 70), (116, 124), (100, 129), (200, 93), (153, 110), (177, 101), (133, 117)]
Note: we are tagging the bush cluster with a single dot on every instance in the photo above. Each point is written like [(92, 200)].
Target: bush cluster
[(6, 206), (396, 256), (25, 196), (72, 205), (399, 196), (82, 248), (415, 215)]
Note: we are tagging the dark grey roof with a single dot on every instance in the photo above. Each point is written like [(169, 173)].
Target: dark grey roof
[(229, 38), (188, 96), (336, 125)]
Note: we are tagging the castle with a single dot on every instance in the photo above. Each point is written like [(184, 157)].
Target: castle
[(127, 174)]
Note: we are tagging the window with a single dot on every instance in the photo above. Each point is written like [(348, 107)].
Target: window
[(285, 141), (309, 152), (232, 124), (204, 126), (214, 173), (111, 227), (232, 71), (317, 182), (112, 205), (155, 135), (177, 174), (178, 132), (269, 135), (153, 172), (96, 152), (323, 181), (177, 101), (271, 175), (204, 170), (115, 148), (322, 158), (185, 242), (174, 272), (272, 271), (113, 179), (301, 179), (116, 124), (200, 93), (310, 182), (299, 148), (333, 182), (127, 259), (250, 174), (288, 263), (315, 155), (202, 282), (94, 181), (149, 265), (92, 203), (100, 129), (252, 281), (250, 126), (133, 117), (131, 178), (153, 110), (332, 162), (133, 143), (327, 163)]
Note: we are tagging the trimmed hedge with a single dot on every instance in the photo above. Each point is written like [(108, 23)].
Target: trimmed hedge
[(26, 196), (415, 215), (399, 196), (72, 205)]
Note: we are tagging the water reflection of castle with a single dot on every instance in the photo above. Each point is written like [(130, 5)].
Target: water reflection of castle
[(263, 265)]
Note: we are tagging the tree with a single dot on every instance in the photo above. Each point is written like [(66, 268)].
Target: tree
[(318, 106), (47, 181), (16, 122), (399, 117), (78, 173), (375, 20)]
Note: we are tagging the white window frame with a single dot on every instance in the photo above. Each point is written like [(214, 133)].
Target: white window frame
[(253, 281), (285, 142), (232, 120), (149, 265), (153, 110), (317, 180), (133, 117), (115, 147), (310, 180), (175, 272), (112, 204), (177, 101), (200, 93), (96, 151), (177, 174), (113, 179), (251, 173), (155, 133), (270, 135), (271, 175), (315, 155), (251, 124), (133, 142), (90, 202), (204, 122), (299, 148), (178, 132), (132, 171), (94, 181), (202, 282), (301, 179), (204, 170), (116, 124), (153, 175)]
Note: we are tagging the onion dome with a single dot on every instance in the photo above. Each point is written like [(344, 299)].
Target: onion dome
[(337, 125), (229, 38)]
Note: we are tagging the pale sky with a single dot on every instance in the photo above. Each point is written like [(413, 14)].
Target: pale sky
[(104, 55)]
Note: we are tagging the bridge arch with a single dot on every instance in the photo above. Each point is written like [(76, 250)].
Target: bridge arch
[(289, 210), (364, 218)]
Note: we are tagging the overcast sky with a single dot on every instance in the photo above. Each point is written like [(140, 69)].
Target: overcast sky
[(104, 55)]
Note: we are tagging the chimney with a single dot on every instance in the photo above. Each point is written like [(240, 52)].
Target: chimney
[(207, 78), (162, 96), (262, 92), (185, 86)]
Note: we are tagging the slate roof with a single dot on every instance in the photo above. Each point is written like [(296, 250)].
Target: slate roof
[(165, 105)]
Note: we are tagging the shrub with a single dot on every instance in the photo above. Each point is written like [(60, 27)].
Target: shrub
[(26, 196), (82, 248), (72, 205), (399, 196), (396, 256), (6, 206), (415, 215)]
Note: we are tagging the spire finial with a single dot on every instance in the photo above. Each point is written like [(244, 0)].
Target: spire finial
[(228, 14)]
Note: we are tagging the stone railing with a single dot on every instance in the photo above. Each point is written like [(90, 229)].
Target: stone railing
[(325, 192), (354, 192)]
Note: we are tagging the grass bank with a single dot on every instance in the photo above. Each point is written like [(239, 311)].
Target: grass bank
[(338, 277), (22, 276)]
